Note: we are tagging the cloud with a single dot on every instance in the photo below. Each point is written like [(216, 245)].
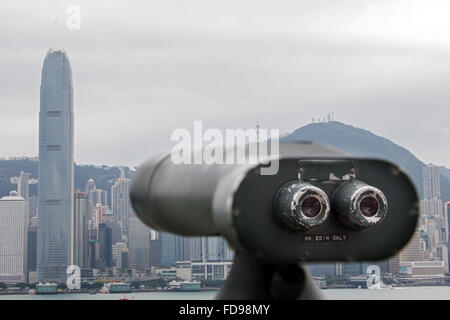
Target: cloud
[(143, 69)]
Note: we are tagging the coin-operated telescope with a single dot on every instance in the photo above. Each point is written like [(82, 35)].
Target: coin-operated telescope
[(321, 205)]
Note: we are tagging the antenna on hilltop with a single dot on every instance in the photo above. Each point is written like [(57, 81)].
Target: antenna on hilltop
[(257, 138)]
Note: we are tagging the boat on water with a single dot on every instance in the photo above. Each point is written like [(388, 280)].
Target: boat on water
[(125, 298), (116, 287), (47, 288), (186, 285)]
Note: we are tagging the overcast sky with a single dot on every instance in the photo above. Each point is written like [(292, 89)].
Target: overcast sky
[(144, 68)]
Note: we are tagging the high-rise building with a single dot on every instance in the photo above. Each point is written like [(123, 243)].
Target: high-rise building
[(447, 214), (434, 220), (181, 248), (447, 219), (173, 248), (32, 251), (227, 254), (210, 249), (120, 201), (99, 196), (23, 190), (431, 181), (13, 238), (117, 251), (105, 243), (80, 248), (431, 207), (442, 255), (55, 168), (100, 214), (394, 265), (93, 244), (23, 185), (33, 204), (322, 269), (351, 269), (90, 185), (138, 244), (154, 252), (411, 252)]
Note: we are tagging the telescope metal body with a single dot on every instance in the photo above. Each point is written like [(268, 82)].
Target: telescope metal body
[(239, 203)]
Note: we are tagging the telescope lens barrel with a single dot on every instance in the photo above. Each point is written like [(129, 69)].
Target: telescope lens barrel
[(358, 205), (301, 206), (311, 207), (369, 206)]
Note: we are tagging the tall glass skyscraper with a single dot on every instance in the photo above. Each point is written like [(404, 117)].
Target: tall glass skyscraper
[(55, 168), (120, 201)]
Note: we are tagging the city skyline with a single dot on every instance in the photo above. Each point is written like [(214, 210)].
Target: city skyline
[(238, 150)]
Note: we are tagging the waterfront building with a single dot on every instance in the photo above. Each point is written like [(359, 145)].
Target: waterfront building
[(13, 238)]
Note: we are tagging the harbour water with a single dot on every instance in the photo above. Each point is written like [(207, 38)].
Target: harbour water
[(399, 293)]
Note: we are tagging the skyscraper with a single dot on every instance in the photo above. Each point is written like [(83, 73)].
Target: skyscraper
[(431, 205), (431, 181), (198, 249), (23, 185), (32, 251), (120, 201), (227, 252), (13, 238), (154, 252), (55, 168), (210, 249), (447, 217), (167, 250), (410, 253), (117, 252), (434, 220), (138, 244), (90, 185), (80, 230), (105, 243)]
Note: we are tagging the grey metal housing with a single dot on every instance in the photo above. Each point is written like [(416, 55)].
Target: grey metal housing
[(237, 202)]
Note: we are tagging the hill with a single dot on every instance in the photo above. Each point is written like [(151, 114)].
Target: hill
[(359, 142)]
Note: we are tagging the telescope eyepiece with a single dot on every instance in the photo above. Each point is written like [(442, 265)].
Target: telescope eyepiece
[(300, 206), (310, 207), (369, 206), (359, 205)]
